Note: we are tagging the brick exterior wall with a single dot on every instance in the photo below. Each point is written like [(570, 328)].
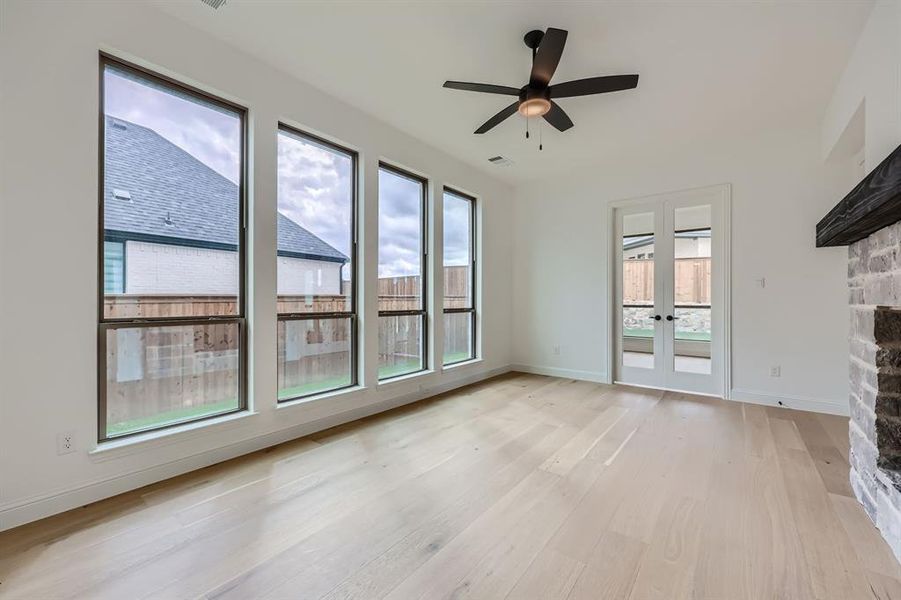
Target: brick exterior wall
[(874, 280), (181, 270), (298, 276)]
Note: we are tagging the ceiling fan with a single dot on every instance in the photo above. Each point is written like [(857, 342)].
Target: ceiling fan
[(536, 98)]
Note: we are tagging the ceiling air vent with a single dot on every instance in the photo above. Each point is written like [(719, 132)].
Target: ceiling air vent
[(500, 161), (214, 3)]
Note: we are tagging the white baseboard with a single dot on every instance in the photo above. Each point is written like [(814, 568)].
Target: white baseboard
[(818, 405), (32, 509), (595, 376), (752, 397)]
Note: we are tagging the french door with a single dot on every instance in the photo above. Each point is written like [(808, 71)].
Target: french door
[(670, 274)]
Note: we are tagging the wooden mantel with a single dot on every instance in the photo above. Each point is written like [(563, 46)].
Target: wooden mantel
[(874, 203)]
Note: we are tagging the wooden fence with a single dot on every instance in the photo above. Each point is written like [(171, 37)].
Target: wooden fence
[(692, 281), (165, 373), (155, 371)]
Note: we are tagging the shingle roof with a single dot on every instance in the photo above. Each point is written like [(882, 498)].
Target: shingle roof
[(165, 183), (647, 240)]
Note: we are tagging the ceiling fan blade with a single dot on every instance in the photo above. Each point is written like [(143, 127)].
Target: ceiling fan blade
[(594, 85), (558, 118), (549, 52), (486, 88), (496, 119)]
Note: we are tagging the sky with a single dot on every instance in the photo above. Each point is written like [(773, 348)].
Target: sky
[(315, 189), (314, 182), (209, 134), (456, 230)]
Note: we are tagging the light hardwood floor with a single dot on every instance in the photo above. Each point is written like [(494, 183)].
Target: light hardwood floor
[(519, 487)]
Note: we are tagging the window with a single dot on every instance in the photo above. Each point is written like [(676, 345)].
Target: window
[(113, 267), (171, 318), (316, 249), (402, 284), (459, 278)]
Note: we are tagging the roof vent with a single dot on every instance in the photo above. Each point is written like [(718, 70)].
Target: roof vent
[(168, 220), (121, 194), (500, 161), (120, 125), (217, 4)]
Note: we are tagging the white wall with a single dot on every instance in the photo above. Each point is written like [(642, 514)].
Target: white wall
[(868, 95), (48, 245), (168, 269), (780, 189), (299, 276)]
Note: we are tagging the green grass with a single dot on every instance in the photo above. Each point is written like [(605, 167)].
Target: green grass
[(169, 417), (307, 389), (454, 357), (411, 365), (190, 413), (699, 336)]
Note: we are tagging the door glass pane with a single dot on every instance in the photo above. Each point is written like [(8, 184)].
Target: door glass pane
[(691, 275), (400, 345), (313, 356), (157, 376), (638, 291)]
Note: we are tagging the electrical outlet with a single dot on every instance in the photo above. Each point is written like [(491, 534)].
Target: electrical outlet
[(556, 350), (776, 371), (65, 442)]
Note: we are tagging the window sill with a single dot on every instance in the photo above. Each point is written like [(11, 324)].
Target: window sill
[(134, 444), (319, 397), (403, 378), (462, 363)]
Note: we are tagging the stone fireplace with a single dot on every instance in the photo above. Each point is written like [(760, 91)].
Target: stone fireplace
[(874, 280), (868, 221)]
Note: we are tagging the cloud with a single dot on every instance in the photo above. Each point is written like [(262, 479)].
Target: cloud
[(314, 182), (400, 225), (315, 189), (208, 133), (456, 230)]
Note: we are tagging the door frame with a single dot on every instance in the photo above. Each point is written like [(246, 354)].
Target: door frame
[(721, 193)]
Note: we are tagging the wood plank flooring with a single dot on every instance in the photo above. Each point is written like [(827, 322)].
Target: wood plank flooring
[(523, 486)]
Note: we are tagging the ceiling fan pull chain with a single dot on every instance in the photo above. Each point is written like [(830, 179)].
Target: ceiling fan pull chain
[(527, 127), (540, 143)]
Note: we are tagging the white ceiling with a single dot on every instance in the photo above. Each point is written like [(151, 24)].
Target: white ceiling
[(707, 69)]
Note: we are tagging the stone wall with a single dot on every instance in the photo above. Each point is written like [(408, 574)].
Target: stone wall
[(874, 280)]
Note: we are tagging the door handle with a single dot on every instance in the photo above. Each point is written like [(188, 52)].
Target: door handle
[(657, 317), (671, 318)]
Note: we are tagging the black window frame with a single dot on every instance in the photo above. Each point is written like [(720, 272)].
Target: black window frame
[(352, 313), (471, 309), (423, 311), (107, 324)]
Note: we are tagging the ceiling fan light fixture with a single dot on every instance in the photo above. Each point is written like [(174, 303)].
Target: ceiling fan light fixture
[(534, 107), (535, 97)]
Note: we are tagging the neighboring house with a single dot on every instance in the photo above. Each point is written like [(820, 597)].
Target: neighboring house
[(159, 240), (689, 244)]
